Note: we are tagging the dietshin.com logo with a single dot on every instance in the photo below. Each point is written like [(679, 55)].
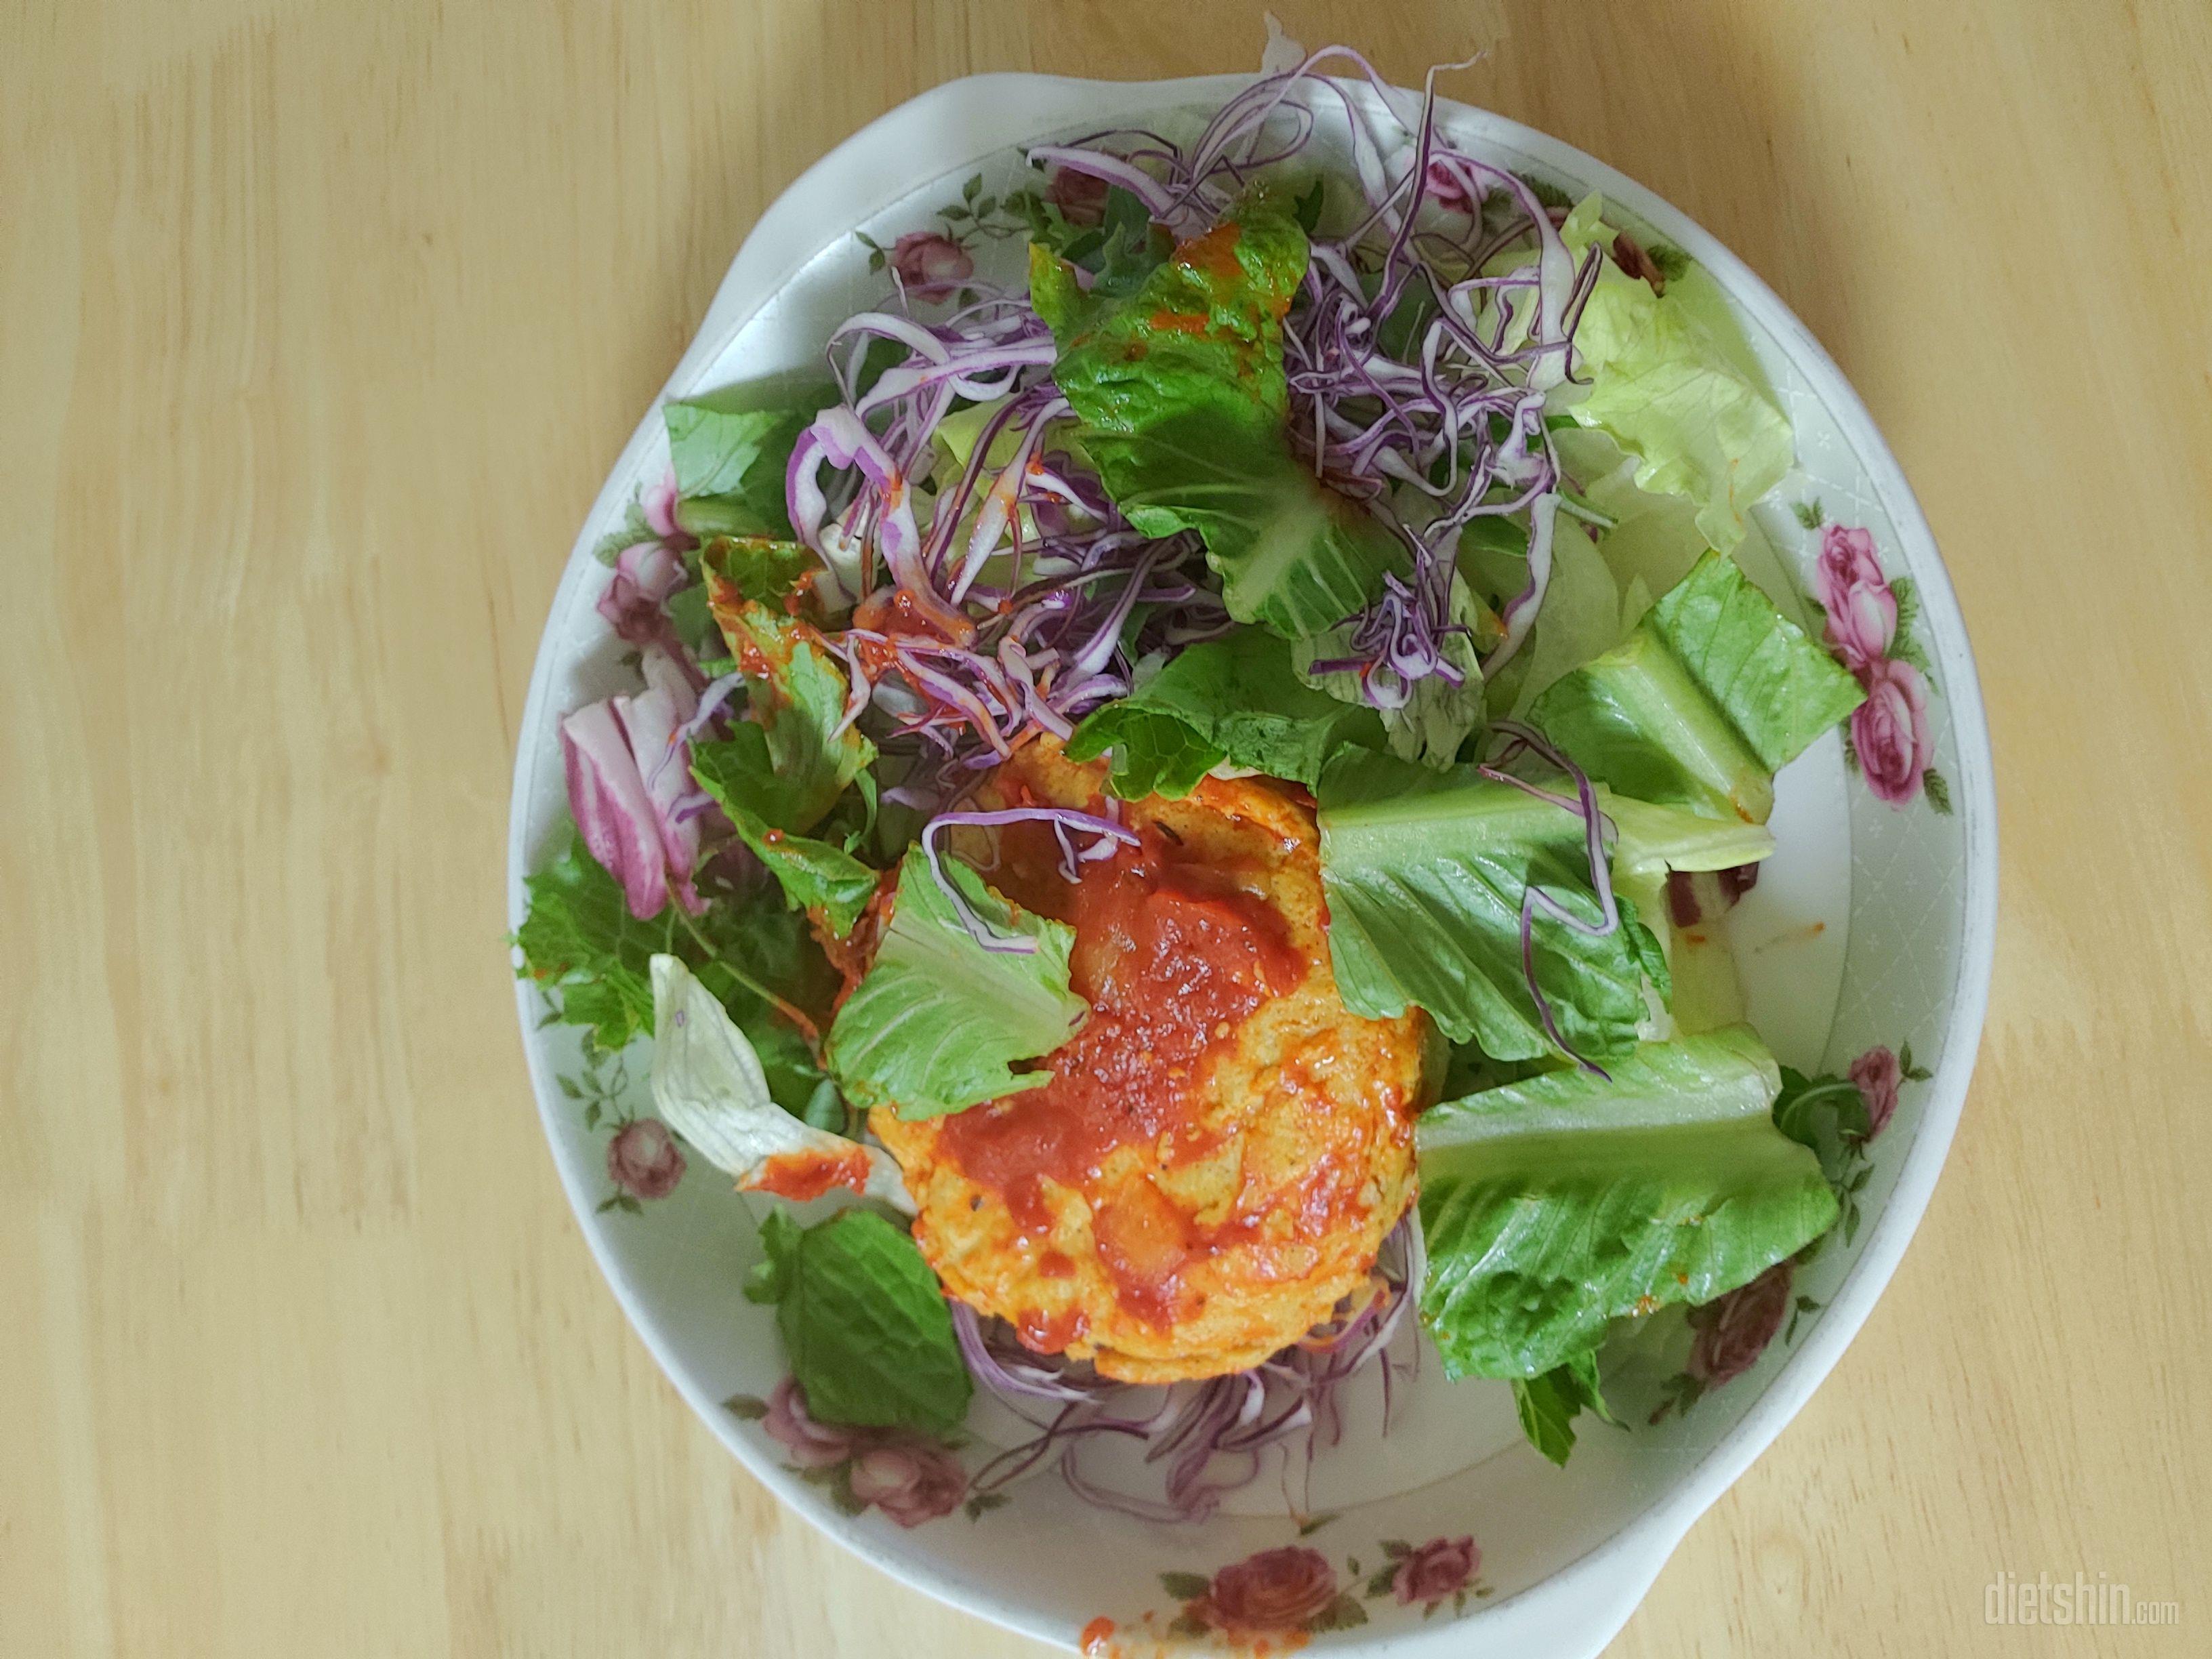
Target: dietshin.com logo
[(2012, 1598)]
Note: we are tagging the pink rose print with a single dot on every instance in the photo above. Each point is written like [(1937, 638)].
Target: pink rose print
[(1440, 1567), (1080, 196), (645, 575), (1447, 185), (1861, 610), (644, 1159), (908, 1479), (924, 258), (809, 1444), (1285, 1589), (1877, 1073), (1889, 730), (1734, 1330), (658, 501)]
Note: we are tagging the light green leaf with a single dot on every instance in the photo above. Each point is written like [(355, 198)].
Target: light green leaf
[(1713, 691), (1554, 1206), (730, 449), (1424, 874), (1673, 392), (710, 1087), (938, 1021), (1438, 717), (795, 698)]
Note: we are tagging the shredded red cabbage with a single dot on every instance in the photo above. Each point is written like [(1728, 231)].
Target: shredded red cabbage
[(1212, 1437)]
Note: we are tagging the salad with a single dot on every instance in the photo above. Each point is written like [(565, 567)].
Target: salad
[(1195, 792)]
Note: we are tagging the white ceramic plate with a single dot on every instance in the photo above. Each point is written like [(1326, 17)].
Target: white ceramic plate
[(1871, 932)]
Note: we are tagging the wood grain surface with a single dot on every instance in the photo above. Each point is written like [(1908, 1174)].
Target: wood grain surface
[(320, 323)]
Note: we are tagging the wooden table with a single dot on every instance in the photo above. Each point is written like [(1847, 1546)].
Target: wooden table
[(319, 325)]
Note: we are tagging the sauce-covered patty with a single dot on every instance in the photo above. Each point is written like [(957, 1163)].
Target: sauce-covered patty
[(1221, 1146)]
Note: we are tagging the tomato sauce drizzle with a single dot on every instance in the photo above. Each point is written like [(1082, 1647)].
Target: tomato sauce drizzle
[(1173, 957)]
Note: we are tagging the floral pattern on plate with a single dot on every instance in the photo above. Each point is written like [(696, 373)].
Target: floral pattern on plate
[(1870, 627)]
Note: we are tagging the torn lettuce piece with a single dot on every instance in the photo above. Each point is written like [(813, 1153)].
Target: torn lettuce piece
[(710, 1087), (815, 876), (1674, 393), (1424, 874), (1233, 701), (1548, 1405), (795, 692), (864, 1322), (731, 448), (1712, 693), (1438, 717), (1554, 1206), (939, 1019), (1180, 400)]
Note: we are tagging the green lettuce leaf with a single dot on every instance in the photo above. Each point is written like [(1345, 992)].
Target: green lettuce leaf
[(1430, 724), (1555, 1205), (1713, 691), (864, 1321), (1180, 393), (730, 449), (795, 694), (739, 772), (1549, 1404), (1234, 700), (1424, 873), (580, 941), (1672, 393), (938, 1021)]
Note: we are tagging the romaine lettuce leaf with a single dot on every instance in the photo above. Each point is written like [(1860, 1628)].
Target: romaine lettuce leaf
[(864, 1321), (1181, 396), (938, 1020), (1672, 395), (1424, 874), (1554, 1206), (1713, 691), (1233, 699)]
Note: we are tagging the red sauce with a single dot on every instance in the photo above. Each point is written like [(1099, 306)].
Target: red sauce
[(1043, 1333), (1214, 253), (802, 1175), (1178, 322), (1172, 957), (1095, 1635)]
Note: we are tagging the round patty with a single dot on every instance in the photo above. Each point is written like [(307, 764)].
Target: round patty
[(1223, 1146)]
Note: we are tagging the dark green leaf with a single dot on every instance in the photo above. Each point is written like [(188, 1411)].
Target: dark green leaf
[(1185, 1586), (864, 1322), (1549, 1404), (1235, 700)]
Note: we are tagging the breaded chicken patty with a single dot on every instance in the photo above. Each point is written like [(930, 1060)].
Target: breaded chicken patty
[(1221, 1146)]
